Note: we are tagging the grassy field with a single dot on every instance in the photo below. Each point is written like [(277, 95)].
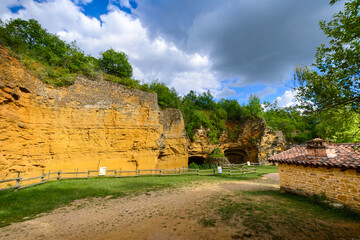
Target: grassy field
[(27, 203), (274, 215)]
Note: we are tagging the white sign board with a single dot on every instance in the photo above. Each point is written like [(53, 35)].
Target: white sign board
[(219, 170), (248, 163), (102, 171)]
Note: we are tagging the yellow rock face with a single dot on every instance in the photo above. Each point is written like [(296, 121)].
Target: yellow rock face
[(88, 125), (255, 143)]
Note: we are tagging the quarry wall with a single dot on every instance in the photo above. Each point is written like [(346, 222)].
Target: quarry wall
[(87, 125)]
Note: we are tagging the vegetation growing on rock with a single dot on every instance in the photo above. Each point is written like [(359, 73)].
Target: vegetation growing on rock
[(58, 63)]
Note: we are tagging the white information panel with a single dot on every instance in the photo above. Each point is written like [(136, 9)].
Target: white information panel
[(248, 163), (102, 171), (219, 170)]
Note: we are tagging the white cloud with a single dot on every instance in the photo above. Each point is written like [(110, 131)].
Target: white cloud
[(197, 81), (83, 1), (125, 3), (287, 99), (225, 93), (265, 92), (151, 58)]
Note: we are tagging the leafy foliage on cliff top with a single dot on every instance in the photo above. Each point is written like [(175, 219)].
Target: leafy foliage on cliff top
[(116, 63), (59, 63), (296, 127), (56, 62), (201, 110)]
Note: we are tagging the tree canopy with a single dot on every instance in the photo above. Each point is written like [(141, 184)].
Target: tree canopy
[(116, 63), (334, 83)]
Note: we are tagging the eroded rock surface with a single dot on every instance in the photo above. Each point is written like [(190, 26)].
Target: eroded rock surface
[(255, 143), (88, 125)]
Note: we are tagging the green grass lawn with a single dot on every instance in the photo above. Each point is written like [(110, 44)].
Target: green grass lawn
[(28, 202), (282, 216)]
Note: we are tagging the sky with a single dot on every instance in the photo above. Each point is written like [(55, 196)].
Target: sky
[(233, 48)]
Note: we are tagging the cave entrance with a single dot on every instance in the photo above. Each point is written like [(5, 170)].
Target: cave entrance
[(196, 159), (236, 156)]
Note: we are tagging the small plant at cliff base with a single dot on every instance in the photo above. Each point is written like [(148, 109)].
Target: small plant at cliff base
[(201, 166), (217, 153)]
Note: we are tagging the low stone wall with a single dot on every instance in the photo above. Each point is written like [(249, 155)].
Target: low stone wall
[(337, 185)]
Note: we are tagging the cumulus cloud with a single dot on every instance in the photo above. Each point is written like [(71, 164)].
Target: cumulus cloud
[(287, 99), (226, 93), (125, 3), (254, 41), (265, 92), (192, 45), (152, 58), (83, 1)]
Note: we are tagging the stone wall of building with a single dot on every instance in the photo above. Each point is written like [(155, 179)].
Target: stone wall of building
[(337, 185)]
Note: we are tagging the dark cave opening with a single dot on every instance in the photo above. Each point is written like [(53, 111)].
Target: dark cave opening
[(196, 159), (236, 156)]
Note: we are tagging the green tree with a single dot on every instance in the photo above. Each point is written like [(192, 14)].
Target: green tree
[(254, 109), (335, 81), (200, 110), (296, 127), (332, 89), (116, 63), (234, 111), (167, 97), (344, 125)]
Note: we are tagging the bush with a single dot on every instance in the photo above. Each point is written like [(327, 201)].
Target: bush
[(201, 166), (217, 153), (167, 97), (116, 63)]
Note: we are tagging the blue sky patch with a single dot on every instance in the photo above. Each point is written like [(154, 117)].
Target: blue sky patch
[(16, 9), (96, 8)]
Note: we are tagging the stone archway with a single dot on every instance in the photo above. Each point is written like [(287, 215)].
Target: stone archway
[(236, 156)]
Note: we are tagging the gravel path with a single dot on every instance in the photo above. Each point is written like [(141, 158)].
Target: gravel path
[(168, 214)]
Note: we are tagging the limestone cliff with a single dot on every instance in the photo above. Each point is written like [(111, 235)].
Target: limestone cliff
[(88, 125), (255, 143)]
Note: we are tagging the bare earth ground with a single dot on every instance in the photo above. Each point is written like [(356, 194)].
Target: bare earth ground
[(168, 214)]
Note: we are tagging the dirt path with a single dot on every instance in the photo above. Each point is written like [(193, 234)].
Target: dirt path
[(169, 214)]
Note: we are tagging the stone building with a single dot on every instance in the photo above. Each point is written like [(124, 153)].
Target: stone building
[(321, 167)]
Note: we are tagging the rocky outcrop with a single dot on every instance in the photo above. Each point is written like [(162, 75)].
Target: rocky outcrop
[(255, 142), (271, 143), (88, 125), (173, 146)]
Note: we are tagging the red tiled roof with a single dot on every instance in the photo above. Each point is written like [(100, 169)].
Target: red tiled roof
[(346, 157)]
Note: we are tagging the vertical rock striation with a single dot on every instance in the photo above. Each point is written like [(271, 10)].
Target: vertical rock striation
[(88, 125)]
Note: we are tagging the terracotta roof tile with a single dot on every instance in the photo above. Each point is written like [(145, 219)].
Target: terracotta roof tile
[(346, 157)]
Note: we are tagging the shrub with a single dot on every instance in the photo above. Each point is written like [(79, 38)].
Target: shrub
[(116, 63)]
